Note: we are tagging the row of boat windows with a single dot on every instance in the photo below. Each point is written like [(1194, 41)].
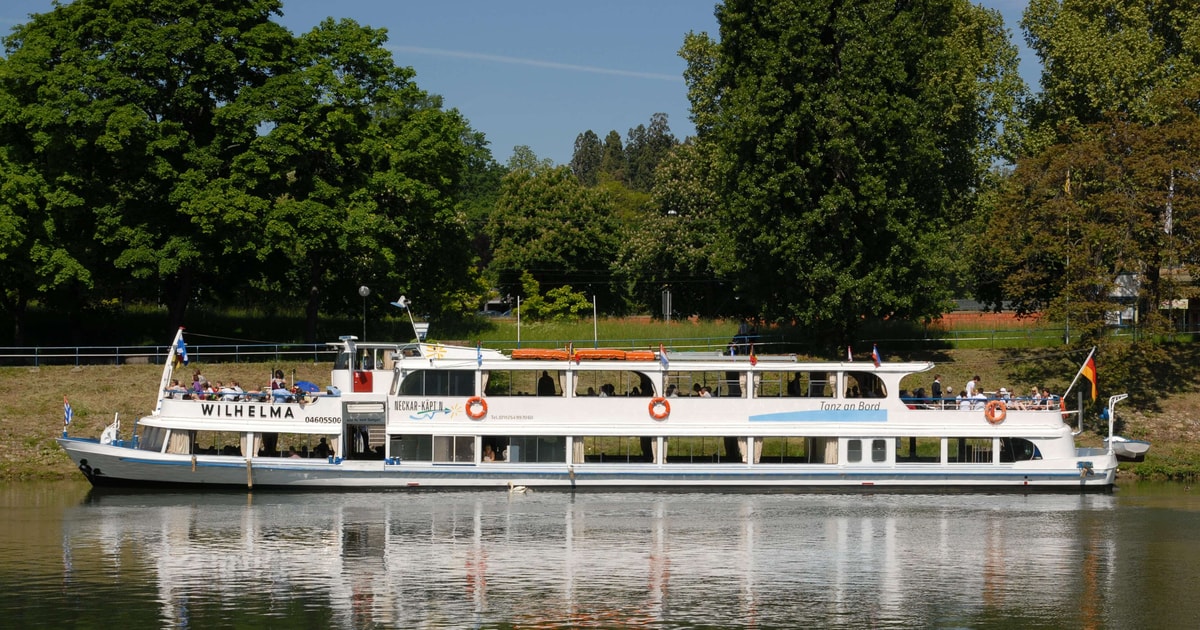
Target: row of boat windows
[(634, 383), (368, 443), (710, 449)]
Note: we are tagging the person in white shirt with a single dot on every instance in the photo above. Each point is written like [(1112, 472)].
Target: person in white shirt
[(972, 385)]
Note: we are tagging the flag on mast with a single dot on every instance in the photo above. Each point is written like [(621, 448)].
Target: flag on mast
[(68, 413), (849, 355), (1089, 372), (875, 355), (753, 357)]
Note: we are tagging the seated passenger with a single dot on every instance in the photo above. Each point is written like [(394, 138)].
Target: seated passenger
[(322, 449), (176, 390), (488, 454), (964, 403), (672, 391)]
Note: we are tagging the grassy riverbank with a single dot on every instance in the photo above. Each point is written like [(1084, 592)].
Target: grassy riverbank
[(31, 405)]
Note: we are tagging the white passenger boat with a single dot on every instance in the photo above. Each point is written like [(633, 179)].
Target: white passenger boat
[(422, 415)]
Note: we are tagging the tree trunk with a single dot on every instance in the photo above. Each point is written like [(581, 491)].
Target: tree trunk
[(178, 295), (313, 309)]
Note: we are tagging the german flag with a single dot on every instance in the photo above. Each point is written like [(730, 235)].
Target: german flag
[(1089, 372)]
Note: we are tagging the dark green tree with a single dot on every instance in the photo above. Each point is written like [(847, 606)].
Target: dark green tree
[(560, 232), (586, 160), (849, 138), (645, 148), (360, 172), (614, 167), (112, 109)]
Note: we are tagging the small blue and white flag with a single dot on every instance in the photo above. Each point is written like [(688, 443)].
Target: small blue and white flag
[(479, 353), (67, 412), (181, 350)]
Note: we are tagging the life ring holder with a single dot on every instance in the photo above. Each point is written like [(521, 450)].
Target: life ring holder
[(473, 403), (659, 408), (995, 412)]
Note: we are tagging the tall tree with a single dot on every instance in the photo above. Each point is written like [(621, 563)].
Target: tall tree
[(549, 225), (645, 148), (1110, 56), (849, 137), (114, 108), (357, 166), (614, 167), (586, 160)]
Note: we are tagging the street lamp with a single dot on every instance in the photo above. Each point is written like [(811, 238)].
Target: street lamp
[(364, 291)]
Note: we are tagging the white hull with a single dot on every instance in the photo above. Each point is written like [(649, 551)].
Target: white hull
[(113, 465)]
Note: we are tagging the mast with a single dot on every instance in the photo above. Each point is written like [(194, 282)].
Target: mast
[(169, 368)]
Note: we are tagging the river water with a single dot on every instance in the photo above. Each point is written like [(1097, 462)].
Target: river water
[(71, 557)]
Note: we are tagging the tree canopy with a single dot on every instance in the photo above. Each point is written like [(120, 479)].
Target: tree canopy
[(161, 152), (839, 188)]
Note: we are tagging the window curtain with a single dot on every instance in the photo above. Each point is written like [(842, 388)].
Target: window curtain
[(180, 442)]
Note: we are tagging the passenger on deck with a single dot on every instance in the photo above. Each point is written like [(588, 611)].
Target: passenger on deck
[(176, 390), (545, 386), (979, 400), (935, 390), (279, 388), (794, 386), (322, 449), (973, 385), (672, 391), (488, 454), (696, 389), (706, 392), (964, 403)]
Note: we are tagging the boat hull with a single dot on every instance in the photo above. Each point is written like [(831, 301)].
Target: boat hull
[(123, 466)]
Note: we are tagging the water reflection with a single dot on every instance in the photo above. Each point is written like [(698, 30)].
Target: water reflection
[(552, 560)]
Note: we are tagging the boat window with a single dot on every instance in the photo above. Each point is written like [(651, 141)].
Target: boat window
[(1018, 450), (783, 450), (613, 383), (528, 448), (438, 383), (720, 384), (543, 382), (878, 450), (791, 384), (854, 451), (864, 385), (607, 449), (969, 450), (454, 449), (924, 450), (705, 450), (341, 361), (413, 448)]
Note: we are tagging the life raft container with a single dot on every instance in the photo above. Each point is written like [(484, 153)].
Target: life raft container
[(542, 354)]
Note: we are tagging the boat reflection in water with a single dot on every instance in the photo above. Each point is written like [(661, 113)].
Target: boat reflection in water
[(641, 559)]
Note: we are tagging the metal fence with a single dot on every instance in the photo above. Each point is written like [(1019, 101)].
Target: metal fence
[(115, 355)]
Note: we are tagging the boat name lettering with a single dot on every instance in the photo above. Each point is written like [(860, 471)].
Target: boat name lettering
[(323, 419), (247, 411), (858, 406), (419, 405)]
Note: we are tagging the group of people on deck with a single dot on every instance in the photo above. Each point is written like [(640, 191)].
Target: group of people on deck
[(973, 397)]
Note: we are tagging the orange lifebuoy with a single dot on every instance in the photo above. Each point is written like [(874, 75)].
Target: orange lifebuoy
[(659, 408), (474, 402), (995, 411)]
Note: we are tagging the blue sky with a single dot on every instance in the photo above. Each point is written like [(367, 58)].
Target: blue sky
[(539, 72)]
